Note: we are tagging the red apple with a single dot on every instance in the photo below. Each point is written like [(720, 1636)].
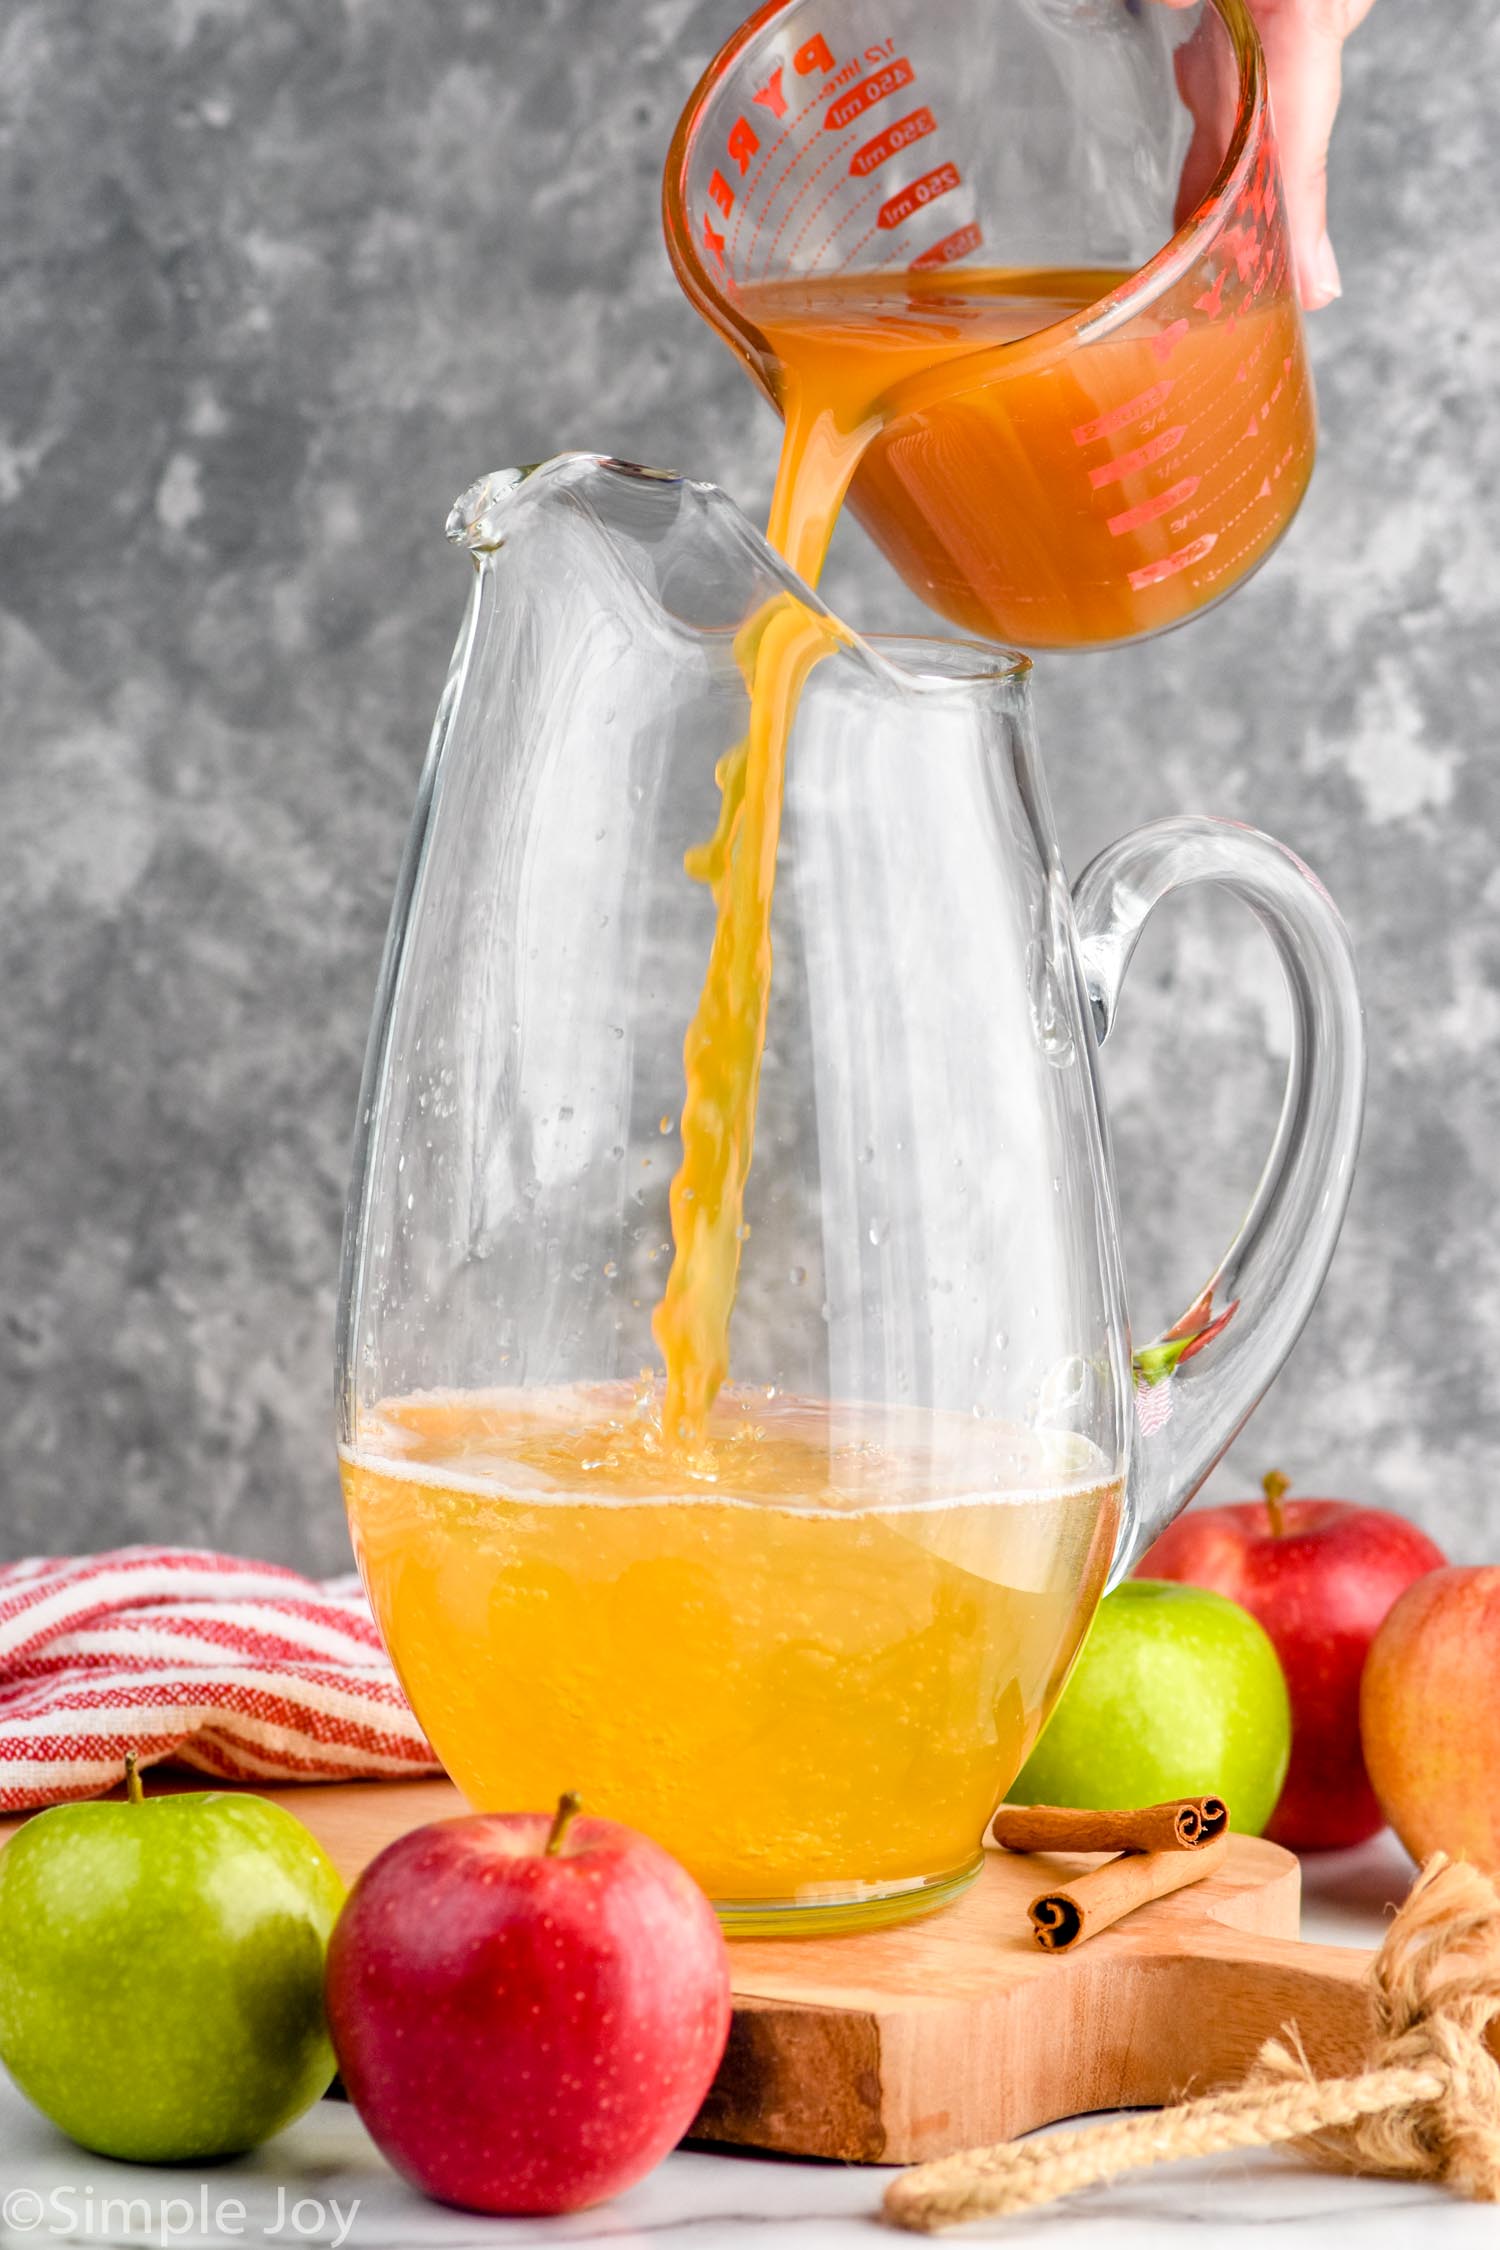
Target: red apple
[(1321, 1576), (1430, 1711), (527, 2014)]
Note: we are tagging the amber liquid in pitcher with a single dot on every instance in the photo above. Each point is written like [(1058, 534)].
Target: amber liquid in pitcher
[(817, 1679)]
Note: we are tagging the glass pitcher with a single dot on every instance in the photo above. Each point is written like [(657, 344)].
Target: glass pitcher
[(867, 201), (810, 1658)]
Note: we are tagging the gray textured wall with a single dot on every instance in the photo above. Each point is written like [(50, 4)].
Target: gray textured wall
[(279, 277)]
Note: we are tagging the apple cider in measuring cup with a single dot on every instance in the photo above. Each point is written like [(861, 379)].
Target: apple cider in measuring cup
[(1031, 484), (1065, 451)]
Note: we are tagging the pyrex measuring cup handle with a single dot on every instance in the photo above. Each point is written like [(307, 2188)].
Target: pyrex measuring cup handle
[(1195, 1385)]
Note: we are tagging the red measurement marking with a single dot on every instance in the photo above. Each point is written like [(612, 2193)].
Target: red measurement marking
[(1212, 300), (1129, 410), (1125, 464), (1152, 574), (942, 181), (1132, 518), (952, 247), (900, 135), (870, 91), (1167, 342)]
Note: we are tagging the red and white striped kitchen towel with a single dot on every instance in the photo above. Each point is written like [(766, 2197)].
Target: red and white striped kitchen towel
[(241, 1669)]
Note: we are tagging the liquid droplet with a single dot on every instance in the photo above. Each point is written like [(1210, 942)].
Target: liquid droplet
[(798, 1276)]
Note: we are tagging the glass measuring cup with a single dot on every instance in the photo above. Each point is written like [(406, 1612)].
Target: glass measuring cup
[(1108, 168), (810, 1658)]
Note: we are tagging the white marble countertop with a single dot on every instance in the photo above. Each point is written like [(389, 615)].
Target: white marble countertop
[(323, 2183)]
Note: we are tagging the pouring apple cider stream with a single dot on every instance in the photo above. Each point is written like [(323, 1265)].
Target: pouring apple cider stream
[(875, 1609)]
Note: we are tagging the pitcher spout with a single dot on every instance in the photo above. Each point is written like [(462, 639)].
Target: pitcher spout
[(476, 521)]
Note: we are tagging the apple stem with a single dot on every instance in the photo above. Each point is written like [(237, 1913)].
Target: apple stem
[(1276, 1487), (133, 1790), (569, 1805)]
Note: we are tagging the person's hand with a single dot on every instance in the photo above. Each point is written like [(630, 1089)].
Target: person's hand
[(1304, 42)]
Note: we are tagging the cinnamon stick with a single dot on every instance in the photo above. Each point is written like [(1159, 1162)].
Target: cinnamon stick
[(1079, 1910), (1185, 1824)]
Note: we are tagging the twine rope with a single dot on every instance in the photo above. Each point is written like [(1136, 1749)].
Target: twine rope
[(1425, 2107)]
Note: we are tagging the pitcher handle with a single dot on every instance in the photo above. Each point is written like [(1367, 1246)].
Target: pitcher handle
[(1196, 1385)]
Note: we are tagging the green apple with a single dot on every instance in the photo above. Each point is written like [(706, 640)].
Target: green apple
[(1178, 1693), (161, 1971)]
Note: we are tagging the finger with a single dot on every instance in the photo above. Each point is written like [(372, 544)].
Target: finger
[(1209, 87), (1304, 66)]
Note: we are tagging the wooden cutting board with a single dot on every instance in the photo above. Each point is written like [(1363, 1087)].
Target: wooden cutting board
[(898, 2044)]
